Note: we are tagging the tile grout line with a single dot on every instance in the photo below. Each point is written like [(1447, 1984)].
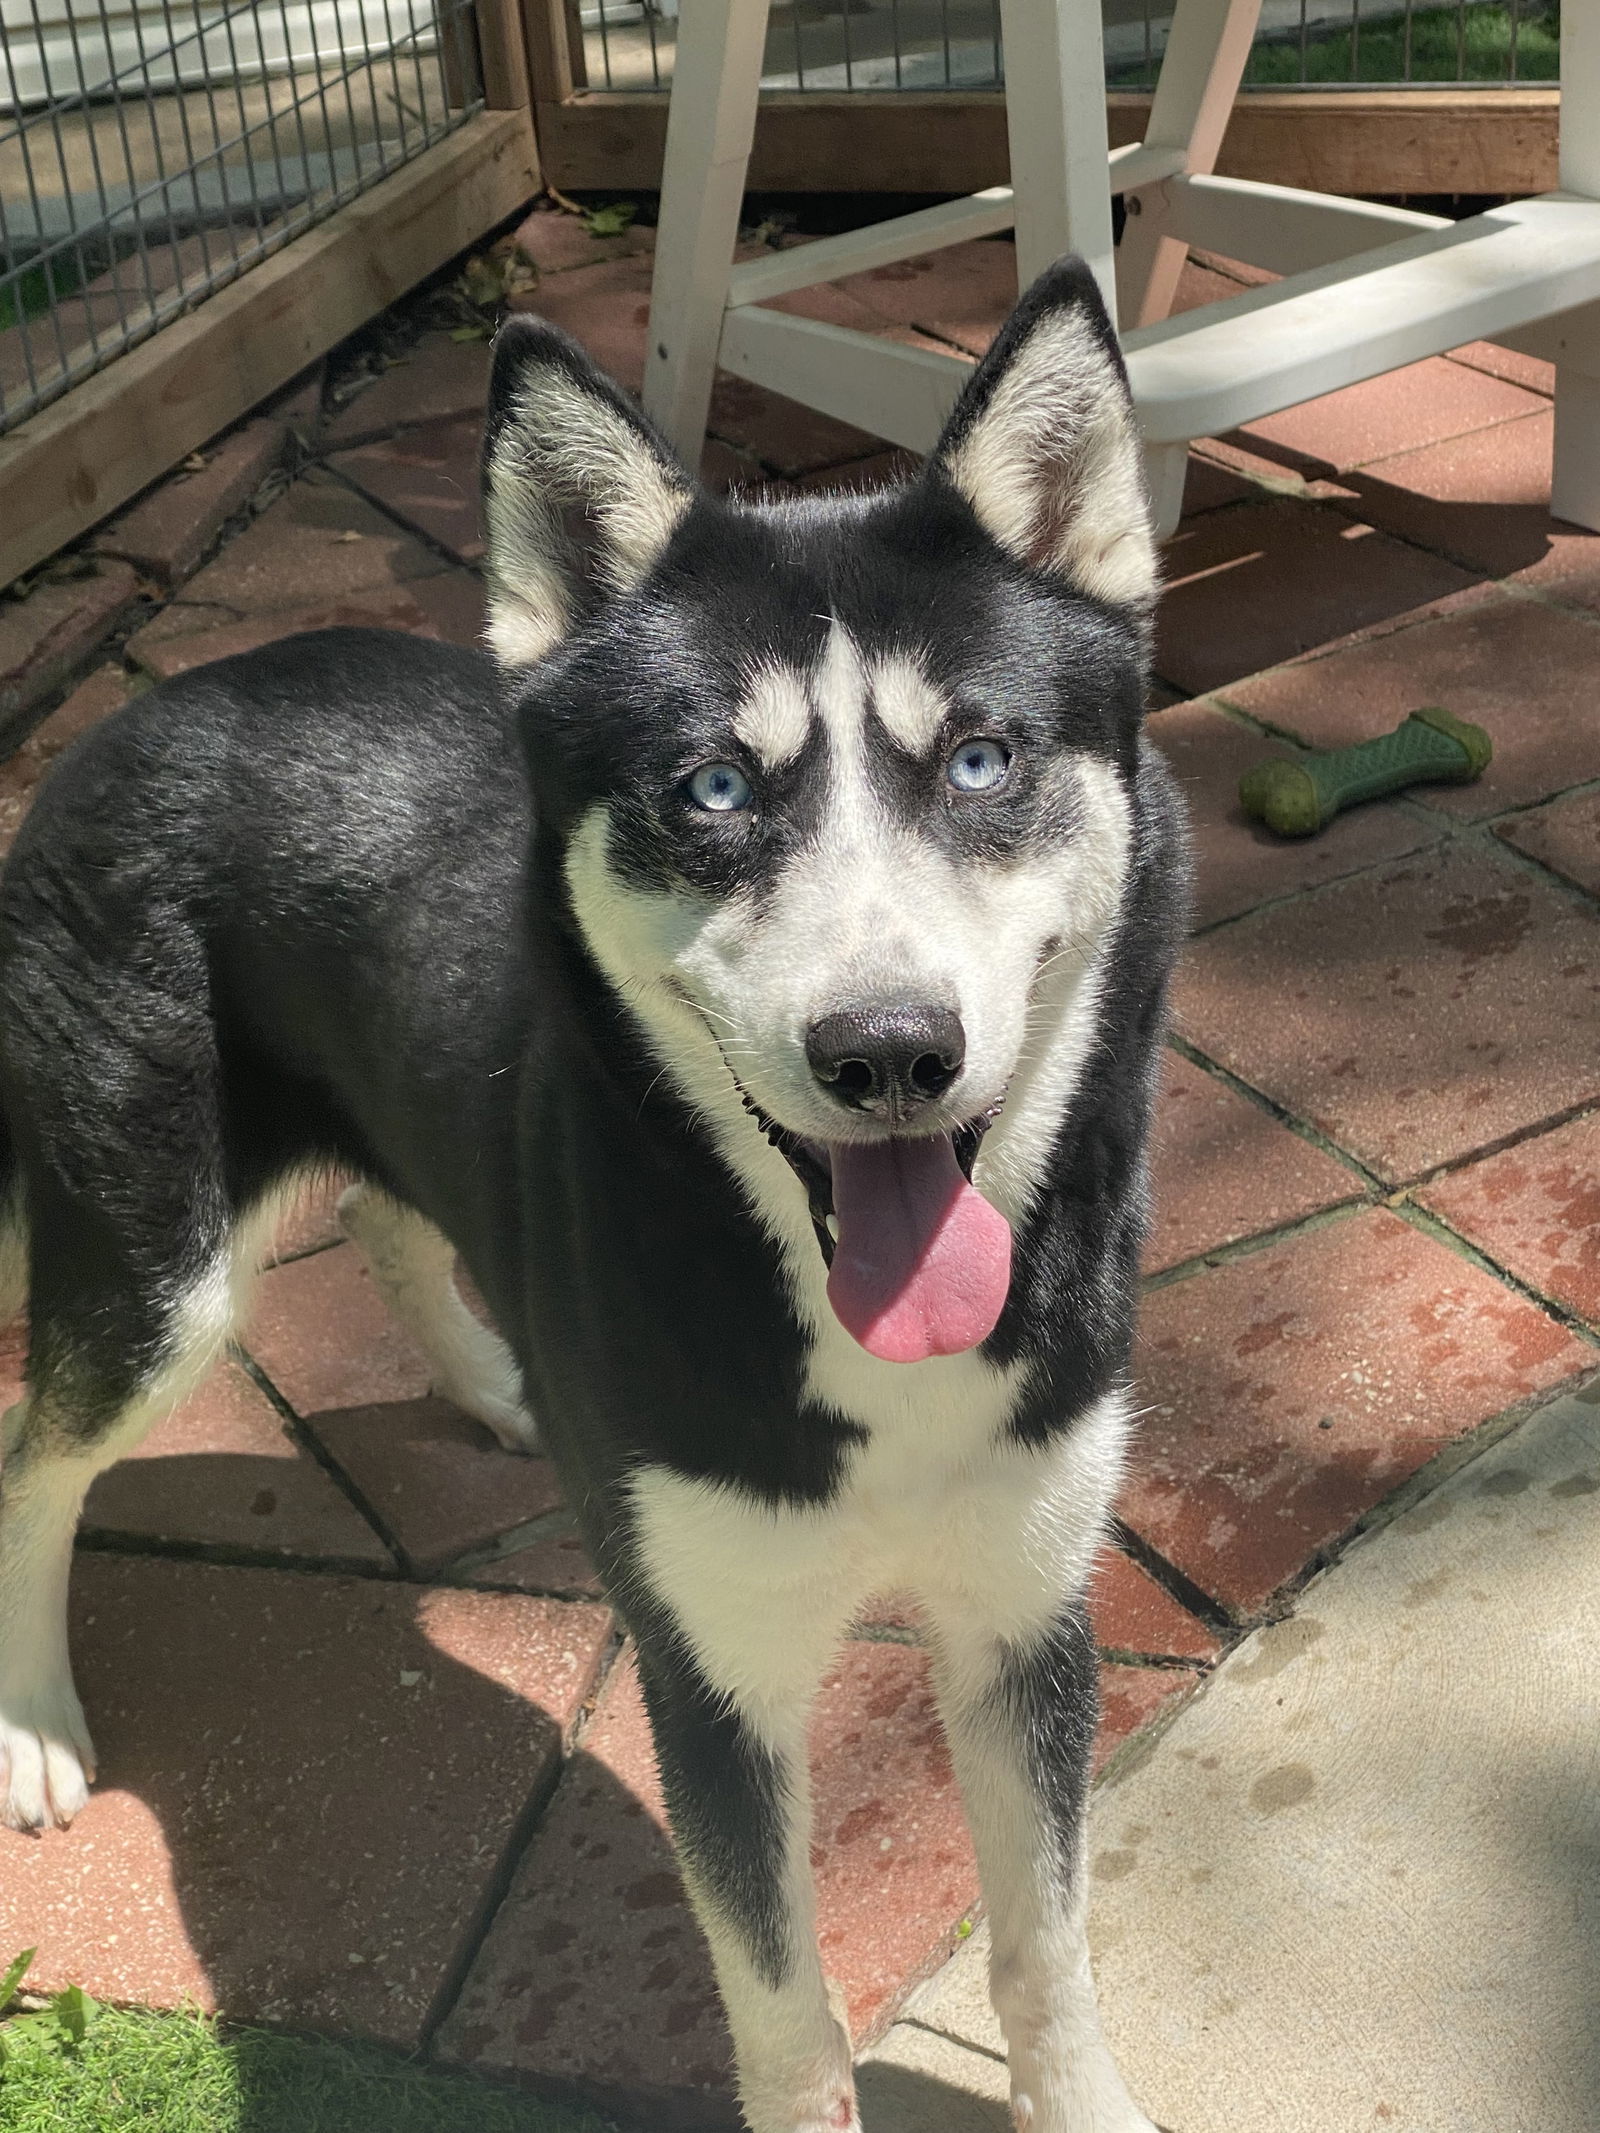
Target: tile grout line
[(1301, 1128), (300, 1433), (1428, 1224), (526, 1826), (1176, 1583)]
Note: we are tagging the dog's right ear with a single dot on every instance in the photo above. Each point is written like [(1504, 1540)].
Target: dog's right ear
[(580, 495), (1043, 445)]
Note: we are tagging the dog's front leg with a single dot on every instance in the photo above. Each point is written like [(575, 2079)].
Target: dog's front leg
[(735, 1776), (1021, 1713)]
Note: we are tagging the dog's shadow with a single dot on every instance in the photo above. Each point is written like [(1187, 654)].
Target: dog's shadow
[(314, 1792)]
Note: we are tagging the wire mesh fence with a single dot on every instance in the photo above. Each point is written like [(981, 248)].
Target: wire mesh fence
[(152, 150), (829, 45)]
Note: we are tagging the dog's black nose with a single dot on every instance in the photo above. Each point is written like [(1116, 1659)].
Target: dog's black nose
[(888, 1058)]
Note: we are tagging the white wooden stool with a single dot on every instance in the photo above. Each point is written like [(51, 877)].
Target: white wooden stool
[(1366, 289)]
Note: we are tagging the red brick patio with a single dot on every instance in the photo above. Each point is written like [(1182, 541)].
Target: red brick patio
[(373, 1757)]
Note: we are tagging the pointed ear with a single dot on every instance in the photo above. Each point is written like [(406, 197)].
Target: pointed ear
[(580, 495), (1042, 443)]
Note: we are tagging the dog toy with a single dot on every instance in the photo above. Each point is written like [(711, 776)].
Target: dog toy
[(1299, 795)]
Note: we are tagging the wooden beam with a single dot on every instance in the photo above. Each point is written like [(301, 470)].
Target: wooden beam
[(502, 55), (68, 466), (1348, 141)]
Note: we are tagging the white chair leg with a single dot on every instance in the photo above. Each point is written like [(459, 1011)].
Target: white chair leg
[(1575, 467), (1575, 471), (710, 125), (1166, 468), (1200, 74), (1056, 124)]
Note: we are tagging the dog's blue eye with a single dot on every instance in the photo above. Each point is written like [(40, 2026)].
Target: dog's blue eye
[(978, 766), (720, 788)]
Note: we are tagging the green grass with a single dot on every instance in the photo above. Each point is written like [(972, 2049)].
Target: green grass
[(1377, 53), (33, 292), (181, 2073)]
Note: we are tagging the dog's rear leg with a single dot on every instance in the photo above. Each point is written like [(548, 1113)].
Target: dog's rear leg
[(414, 1266), (1020, 1713)]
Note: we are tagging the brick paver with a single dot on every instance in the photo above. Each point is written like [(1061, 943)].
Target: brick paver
[(165, 533), (336, 1644), (1223, 1168), (52, 633), (1248, 588), (306, 1787), (1536, 1209), (1564, 835), (1413, 1013), (1407, 409), (1288, 1393)]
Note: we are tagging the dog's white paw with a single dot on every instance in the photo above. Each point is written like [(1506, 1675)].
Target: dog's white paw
[(509, 1423), (1108, 2113), (46, 1759)]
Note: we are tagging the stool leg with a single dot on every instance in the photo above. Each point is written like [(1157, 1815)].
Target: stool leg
[(711, 121), (1575, 460), (1575, 484), (1200, 74), (1056, 123)]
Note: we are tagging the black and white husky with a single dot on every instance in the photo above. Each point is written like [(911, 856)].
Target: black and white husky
[(755, 972)]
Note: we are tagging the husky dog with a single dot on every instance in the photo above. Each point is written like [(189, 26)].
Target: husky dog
[(755, 971)]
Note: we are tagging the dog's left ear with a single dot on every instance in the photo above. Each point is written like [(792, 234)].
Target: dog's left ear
[(1042, 443), (580, 495)]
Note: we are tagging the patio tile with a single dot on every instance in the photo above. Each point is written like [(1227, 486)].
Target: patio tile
[(1238, 862), (606, 308), (448, 607), (306, 1787), (440, 380), (961, 294), (1530, 372), (1484, 499), (318, 544), (785, 436), (169, 529), (56, 628), (725, 471), (1413, 1014), (1223, 1168), (1266, 582), (105, 691), (324, 1336), (1564, 835), (1521, 670), (428, 477), (1130, 1696), (222, 1471), (438, 1481), (1132, 1613), (1398, 412), (1536, 1209), (1207, 486), (1286, 1394), (557, 1562), (556, 242), (594, 1970)]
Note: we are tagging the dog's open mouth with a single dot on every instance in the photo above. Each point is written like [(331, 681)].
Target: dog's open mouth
[(919, 1263)]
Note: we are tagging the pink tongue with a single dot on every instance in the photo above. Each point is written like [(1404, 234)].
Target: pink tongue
[(923, 1262)]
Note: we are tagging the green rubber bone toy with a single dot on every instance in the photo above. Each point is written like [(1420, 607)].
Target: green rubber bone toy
[(1299, 795)]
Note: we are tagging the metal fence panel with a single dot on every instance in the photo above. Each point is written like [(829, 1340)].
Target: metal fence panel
[(152, 150), (818, 45)]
